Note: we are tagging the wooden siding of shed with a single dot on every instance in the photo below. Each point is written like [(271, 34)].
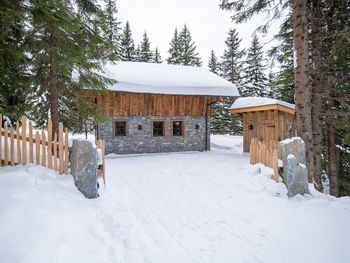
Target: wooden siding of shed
[(136, 104), (268, 126)]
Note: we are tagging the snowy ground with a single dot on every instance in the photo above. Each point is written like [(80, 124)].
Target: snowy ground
[(180, 207)]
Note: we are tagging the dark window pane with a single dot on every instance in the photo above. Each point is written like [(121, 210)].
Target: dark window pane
[(120, 128), (158, 128), (177, 128)]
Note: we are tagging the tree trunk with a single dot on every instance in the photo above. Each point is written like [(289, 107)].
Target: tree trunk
[(53, 82), (301, 81), (331, 136), (317, 93)]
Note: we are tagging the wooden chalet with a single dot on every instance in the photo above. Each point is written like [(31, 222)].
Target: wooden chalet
[(266, 119), (159, 108)]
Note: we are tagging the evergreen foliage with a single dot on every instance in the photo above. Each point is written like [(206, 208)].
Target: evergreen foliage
[(232, 64), (127, 46), (213, 63), (254, 79), (113, 28), (174, 50), (15, 78), (182, 49), (146, 54), (189, 56), (157, 57), (282, 83)]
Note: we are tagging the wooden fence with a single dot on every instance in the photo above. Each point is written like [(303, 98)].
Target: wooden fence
[(24, 145), (265, 153)]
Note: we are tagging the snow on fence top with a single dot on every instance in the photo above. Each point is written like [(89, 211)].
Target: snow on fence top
[(154, 78), (249, 102)]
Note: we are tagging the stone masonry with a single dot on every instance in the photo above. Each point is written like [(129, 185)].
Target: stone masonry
[(142, 141)]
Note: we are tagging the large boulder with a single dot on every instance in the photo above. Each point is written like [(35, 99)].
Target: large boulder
[(84, 165), (296, 177), (292, 156)]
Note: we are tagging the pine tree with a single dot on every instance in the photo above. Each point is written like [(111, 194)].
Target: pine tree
[(174, 50), (157, 57), (62, 45), (127, 46), (15, 80), (113, 27), (146, 55), (220, 121), (283, 81), (231, 65), (189, 56), (213, 63), (255, 81), (137, 54)]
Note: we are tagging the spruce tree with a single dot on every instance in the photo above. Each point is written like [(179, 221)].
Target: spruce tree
[(189, 56), (157, 58), (283, 80), (137, 54), (65, 42), (213, 63), (127, 46), (146, 54), (113, 27), (231, 65), (254, 79), (174, 50), (15, 78)]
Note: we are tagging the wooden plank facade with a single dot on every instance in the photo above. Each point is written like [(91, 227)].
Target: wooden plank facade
[(142, 104), (267, 124)]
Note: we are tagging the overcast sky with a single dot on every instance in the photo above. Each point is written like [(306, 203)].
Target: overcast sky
[(208, 24)]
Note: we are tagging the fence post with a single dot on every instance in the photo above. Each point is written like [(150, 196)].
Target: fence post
[(37, 148), (60, 147), (18, 144), (30, 142), (0, 139), (49, 144), (12, 147), (55, 152), (66, 153), (6, 160), (24, 140)]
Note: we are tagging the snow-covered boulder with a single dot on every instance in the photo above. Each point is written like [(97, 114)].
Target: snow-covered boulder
[(292, 158), (84, 164)]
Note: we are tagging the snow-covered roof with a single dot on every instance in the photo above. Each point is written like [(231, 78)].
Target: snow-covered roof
[(154, 78), (251, 102)]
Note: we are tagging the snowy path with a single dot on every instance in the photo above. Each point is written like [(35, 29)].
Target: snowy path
[(179, 207)]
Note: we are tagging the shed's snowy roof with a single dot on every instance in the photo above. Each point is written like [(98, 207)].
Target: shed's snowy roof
[(249, 102), (154, 78)]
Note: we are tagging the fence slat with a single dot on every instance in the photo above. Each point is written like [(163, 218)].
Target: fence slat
[(49, 144), (12, 152), (18, 143), (43, 148), (6, 146), (66, 153), (0, 139), (60, 147), (55, 152), (30, 142), (24, 141), (37, 148)]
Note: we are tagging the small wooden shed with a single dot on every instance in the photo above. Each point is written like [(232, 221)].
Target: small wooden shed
[(265, 119)]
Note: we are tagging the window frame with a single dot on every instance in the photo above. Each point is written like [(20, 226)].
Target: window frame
[(163, 130), (182, 128), (114, 121)]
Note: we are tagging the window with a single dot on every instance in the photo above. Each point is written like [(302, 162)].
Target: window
[(177, 127), (120, 128), (158, 128)]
